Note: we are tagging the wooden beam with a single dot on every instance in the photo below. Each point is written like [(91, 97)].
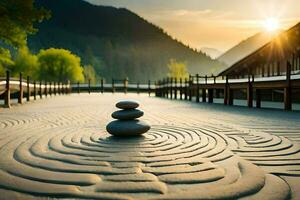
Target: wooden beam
[(20, 97), (258, 98), (181, 89), (226, 92), (7, 91), (197, 89), (210, 95), (203, 95), (287, 89), (250, 92), (28, 89)]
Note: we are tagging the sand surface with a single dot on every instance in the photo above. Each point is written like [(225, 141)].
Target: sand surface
[(58, 148)]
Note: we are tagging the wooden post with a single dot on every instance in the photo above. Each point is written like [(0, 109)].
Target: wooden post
[(204, 91), (46, 90), (181, 89), (69, 88), (149, 88), (138, 87), (113, 85), (190, 88), (226, 91), (230, 96), (171, 87), (175, 88), (50, 88), (89, 86), (54, 88), (20, 97), (78, 87), (162, 87), (125, 85), (61, 88), (210, 95), (167, 87), (102, 86), (28, 90), (186, 89), (288, 89), (41, 90), (34, 90), (58, 89), (7, 91), (258, 98), (204, 95), (250, 92), (155, 88), (198, 89)]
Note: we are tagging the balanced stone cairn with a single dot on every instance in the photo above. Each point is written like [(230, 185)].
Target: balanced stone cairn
[(127, 123)]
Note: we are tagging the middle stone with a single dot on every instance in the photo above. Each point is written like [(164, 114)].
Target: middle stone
[(128, 114)]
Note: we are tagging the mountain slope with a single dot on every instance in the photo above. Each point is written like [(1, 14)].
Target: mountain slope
[(245, 48), (117, 42), (212, 52)]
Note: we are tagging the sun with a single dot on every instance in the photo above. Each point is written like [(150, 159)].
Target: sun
[(271, 24)]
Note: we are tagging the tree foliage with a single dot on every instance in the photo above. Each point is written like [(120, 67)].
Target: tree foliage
[(177, 69), (5, 60), (90, 74), (107, 39), (17, 18), (59, 65), (26, 63)]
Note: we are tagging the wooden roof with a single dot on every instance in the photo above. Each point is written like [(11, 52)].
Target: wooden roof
[(281, 47)]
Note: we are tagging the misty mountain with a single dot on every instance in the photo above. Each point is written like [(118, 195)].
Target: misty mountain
[(245, 48), (115, 41), (212, 52)]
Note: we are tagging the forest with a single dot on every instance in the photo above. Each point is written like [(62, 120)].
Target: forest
[(106, 42)]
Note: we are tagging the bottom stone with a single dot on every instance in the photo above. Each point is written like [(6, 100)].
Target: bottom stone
[(125, 128)]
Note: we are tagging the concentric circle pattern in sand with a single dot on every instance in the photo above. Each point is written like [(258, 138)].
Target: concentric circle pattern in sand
[(60, 149)]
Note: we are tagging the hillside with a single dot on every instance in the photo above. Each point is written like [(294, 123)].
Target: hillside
[(117, 42), (212, 52), (245, 48)]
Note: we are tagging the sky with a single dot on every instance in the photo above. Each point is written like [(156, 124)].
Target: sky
[(218, 24)]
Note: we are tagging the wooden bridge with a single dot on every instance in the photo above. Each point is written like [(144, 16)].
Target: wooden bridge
[(207, 88), (19, 87), (204, 88)]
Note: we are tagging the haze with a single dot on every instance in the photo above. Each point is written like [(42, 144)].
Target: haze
[(217, 24)]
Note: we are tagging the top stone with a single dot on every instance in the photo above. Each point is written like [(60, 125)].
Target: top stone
[(127, 105)]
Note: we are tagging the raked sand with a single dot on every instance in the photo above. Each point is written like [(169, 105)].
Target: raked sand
[(58, 148)]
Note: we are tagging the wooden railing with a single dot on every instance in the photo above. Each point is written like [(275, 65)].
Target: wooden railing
[(116, 85), (18, 87), (207, 87), (199, 87)]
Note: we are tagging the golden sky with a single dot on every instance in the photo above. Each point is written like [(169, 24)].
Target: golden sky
[(217, 24)]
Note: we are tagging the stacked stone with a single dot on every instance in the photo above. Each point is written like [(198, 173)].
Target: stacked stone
[(127, 123)]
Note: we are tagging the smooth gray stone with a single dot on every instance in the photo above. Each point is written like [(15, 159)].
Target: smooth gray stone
[(127, 114), (124, 128), (127, 104)]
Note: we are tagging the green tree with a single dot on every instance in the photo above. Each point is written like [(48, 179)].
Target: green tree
[(26, 63), (177, 69), (5, 61), (89, 73), (17, 18), (59, 65)]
